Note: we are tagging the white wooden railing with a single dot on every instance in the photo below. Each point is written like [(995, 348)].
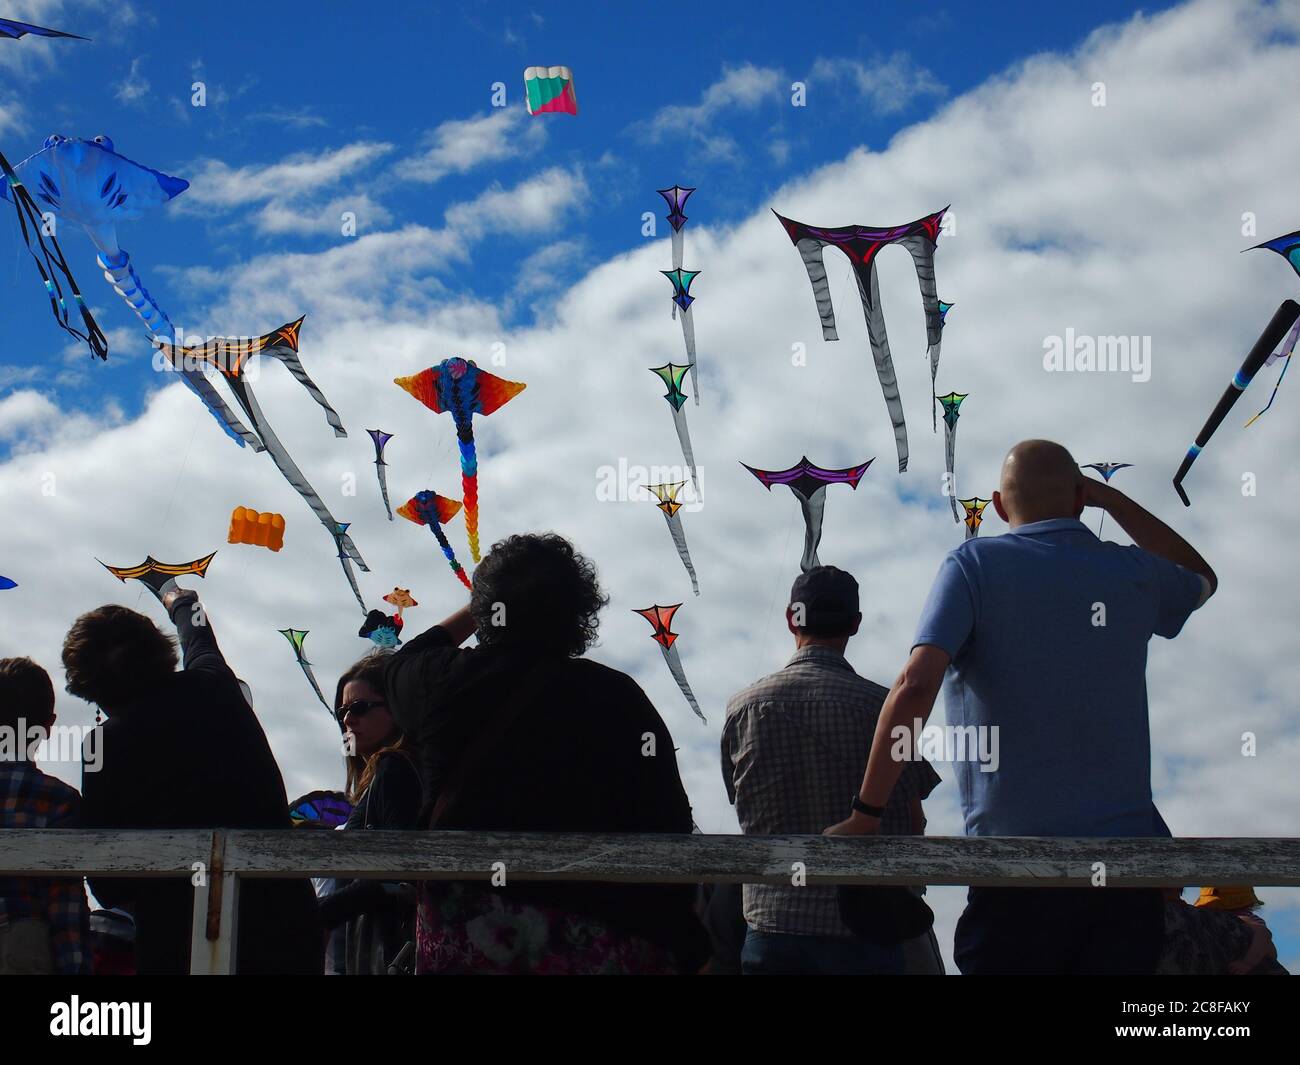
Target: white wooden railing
[(217, 859)]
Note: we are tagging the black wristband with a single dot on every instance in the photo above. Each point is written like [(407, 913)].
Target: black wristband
[(871, 811)]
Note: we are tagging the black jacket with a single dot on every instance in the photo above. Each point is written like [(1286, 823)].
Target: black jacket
[(191, 754), (572, 761)]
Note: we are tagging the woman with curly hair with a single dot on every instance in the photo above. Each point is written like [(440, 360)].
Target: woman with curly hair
[(522, 734)]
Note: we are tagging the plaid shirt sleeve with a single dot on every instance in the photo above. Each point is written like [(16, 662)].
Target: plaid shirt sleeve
[(66, 910)]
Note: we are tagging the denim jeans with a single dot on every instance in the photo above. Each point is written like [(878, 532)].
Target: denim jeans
[(780, 954)]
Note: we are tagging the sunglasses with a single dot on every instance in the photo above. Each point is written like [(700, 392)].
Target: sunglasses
[(357, 708)]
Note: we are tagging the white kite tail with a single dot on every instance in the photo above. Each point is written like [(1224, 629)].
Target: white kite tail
[(811, 252), (299, 483), (688, 335), (679, 538), (870, 294), (294, 366), (922, 250), (951, 449), (679, 675), (678, 243), (813, 507), (383, 487), (126, 283), (688, 453)]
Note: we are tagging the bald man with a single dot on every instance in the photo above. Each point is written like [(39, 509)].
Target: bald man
[(1043, 636)]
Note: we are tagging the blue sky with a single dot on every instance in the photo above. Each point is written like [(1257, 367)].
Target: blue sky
[(478, 227), (656, 107)]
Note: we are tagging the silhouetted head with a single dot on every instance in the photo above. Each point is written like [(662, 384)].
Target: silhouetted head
[(113, 655), (536, 591), (26, 695), (823, 608)]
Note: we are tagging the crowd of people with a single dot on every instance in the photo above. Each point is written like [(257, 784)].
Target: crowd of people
[(1040, 635)]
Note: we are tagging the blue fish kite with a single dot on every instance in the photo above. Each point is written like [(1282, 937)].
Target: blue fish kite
[(88, 183)]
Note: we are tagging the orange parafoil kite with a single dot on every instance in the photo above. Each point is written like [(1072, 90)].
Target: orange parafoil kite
[(247, 526)]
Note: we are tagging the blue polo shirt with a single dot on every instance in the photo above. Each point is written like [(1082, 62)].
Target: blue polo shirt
[(1047, 627)]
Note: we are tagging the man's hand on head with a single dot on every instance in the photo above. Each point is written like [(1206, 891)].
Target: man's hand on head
[(1096, 493)]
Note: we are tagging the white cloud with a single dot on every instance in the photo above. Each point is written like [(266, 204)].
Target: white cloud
[(1112, 220), (135, 86), (460, 145), (220, 185), (742, 88), (886, 85)]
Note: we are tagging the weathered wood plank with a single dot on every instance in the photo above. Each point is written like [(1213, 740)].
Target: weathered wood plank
[(663, 858)]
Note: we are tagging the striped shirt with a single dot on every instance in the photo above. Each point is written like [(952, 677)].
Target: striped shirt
[(32, 799), (794, 748)]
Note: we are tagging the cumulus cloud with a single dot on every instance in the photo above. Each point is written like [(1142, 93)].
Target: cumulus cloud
[(1055, 202), (459, 145)]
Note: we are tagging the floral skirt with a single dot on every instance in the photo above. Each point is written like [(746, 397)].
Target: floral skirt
[(466, 928)]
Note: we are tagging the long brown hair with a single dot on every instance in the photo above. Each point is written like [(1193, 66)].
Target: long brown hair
[(361, 771)]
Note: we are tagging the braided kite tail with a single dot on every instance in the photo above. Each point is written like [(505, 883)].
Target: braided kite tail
[(469, 486), (456, 567)]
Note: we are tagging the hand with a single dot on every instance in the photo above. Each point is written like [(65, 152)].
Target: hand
[(856, 824), (174, 594), (1096, 493)]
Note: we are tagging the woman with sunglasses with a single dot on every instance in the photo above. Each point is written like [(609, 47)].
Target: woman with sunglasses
[(384, 788)]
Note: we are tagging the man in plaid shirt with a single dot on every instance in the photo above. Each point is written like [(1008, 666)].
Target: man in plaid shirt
[(44, 922), (793, 751)]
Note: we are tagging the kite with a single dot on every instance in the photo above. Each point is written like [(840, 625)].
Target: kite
[(297, 637), (676, 198), (1287, 246), (1107, 471), (951, 404), (157, 576), (681, 282), (808, 483), (459, 388), (247, 526), (944, 308), (381, 438), (320, 809), (230, 356), (13, 30), (1283, 319), (661, 618), (400, 598), (1283, 353), (88, 183), (381, 629), (6, 584), (974, 514), (673, 375), (429, 508), (51, 263), (861, 244), (550, 90), (667, 495)]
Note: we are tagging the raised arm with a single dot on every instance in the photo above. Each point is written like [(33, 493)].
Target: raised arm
[(1148, 532), (199, 650)]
